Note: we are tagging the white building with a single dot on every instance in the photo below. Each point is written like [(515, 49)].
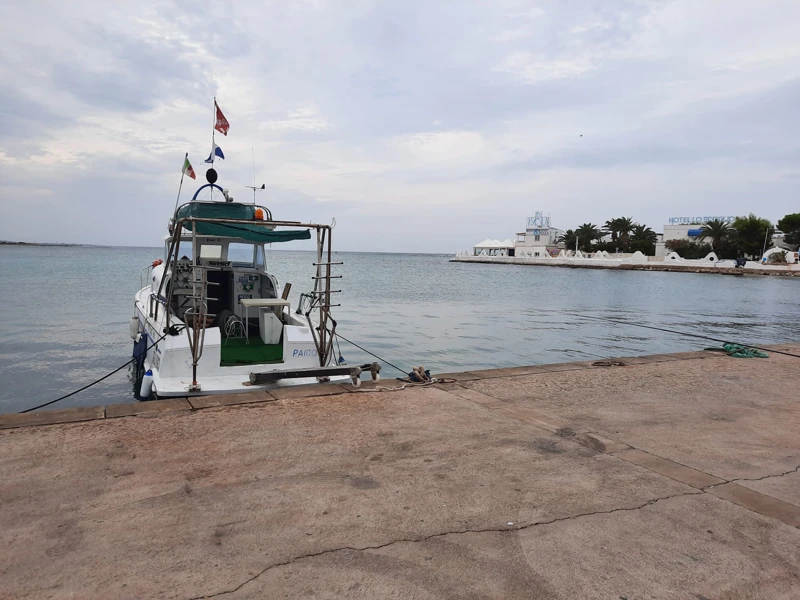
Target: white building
[(494, 248), (683, 228), (539, 238)]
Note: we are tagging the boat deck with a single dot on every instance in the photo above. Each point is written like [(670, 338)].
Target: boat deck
[(673, 476)]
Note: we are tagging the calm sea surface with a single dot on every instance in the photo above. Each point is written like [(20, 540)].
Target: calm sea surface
[(64, 314)]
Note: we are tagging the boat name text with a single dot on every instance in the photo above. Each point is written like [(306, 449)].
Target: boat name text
[(297, 352)]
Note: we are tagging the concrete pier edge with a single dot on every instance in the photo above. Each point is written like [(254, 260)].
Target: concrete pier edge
[(132, 409), (671, 268)]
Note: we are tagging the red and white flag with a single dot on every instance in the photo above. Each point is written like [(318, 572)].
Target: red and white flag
[(222, 124)]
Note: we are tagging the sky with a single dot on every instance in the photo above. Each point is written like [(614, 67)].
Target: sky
[(420, 126)]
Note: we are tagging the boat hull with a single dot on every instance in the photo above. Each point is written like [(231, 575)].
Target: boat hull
[(170, 358)]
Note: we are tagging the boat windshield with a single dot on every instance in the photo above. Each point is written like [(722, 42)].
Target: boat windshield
[(260, 262), (240, 255), (211, 251), (185, 250)]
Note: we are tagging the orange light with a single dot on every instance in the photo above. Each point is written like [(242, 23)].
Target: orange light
[(259, 214)]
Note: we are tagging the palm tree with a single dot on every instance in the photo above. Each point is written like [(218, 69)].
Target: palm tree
[(643, 239), (620, 229), (625, 226), (588, 233), (568, 237), (642, 233), (718, 231), (612, 227)]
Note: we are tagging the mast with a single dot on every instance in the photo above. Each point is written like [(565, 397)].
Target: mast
[(213, 131), (253, 187)]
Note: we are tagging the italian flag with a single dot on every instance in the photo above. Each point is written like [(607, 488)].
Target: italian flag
[(187, 169)]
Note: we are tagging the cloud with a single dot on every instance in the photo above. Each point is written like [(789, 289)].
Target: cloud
[(25, 119), (302, 118), (129, 73), (534, 69), (420, 126), (442, 146)]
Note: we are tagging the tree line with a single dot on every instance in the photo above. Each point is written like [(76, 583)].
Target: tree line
[(626, 236), (744, 237)]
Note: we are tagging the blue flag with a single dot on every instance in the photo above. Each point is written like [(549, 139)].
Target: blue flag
[(215, 151)]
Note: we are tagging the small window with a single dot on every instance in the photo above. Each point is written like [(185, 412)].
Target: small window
[(260, 262), (240, 255), (210, 251), (185, 250), (536, 237)]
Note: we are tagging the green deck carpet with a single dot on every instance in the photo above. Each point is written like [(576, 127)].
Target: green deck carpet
[(236, 352)]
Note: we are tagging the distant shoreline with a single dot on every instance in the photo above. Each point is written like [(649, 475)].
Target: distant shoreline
[(64, 245), (7, 243)]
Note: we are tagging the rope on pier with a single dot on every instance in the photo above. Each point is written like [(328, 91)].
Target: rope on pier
[(609, 363), (739, 351)]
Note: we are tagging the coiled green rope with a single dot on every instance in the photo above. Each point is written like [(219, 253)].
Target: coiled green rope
[(739, 351)]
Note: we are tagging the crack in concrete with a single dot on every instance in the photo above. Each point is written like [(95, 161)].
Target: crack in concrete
[(509, 529), (789, 472)]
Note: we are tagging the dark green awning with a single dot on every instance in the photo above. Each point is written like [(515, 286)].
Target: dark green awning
[(235, 211)]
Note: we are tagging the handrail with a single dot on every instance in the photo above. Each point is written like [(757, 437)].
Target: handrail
[(253, 222)]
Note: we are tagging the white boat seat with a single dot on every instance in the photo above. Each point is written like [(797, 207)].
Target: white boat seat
[(276, 304)]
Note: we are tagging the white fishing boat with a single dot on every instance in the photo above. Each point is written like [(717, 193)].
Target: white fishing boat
[(212, 319)]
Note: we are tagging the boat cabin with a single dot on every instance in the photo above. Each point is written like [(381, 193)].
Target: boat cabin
[(217, 275), (235, 270)]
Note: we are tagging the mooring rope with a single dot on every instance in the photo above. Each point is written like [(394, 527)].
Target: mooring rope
[(681, 333), (87, 386), (403, 371)]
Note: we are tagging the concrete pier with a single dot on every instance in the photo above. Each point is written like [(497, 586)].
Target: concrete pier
[(722, 268), (669, 476)]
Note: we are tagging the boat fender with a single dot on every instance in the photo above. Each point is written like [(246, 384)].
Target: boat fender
[(157, 262), (147, 385), (134, 327)]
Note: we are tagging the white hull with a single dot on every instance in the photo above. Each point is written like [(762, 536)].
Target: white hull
[(170, 359)]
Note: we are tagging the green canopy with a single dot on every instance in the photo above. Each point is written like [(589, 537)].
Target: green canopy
[(238, 212)]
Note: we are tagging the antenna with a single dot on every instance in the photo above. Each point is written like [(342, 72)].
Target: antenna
[(254, 187)]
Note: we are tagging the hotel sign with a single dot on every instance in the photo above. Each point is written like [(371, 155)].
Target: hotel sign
[(697, 220)]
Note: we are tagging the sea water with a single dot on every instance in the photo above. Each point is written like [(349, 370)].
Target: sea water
[(64, 314)]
